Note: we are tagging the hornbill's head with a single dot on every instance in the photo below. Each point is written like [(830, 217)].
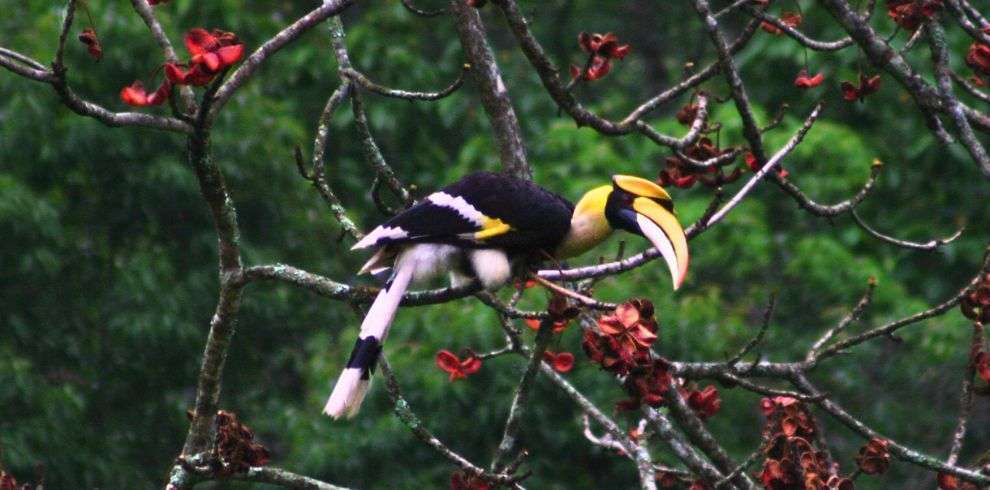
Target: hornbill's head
[(635, 205)]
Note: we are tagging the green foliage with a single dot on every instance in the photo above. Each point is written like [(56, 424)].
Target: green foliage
[(109, 279)]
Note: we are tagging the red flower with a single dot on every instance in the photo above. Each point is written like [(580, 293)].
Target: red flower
[(687, 114), (236, 446), (982, 364), (789, 19), (632, 325), (560, 313), (457, 368), (156, 2), (666, 479), (750, 159), (705, 402), (195, 75), (679, 174), (867, 85), (93, 46), (698, 485), (461, 480), (601, 49), (978, 57), (562, 362), (211, 53), (135, 94), (646, 385), (805, 82), (477, 3), (216, 50), (907, 15), (770, 405), (874, 458)]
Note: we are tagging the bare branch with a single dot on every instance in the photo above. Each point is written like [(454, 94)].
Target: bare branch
[(933, 244), (767, 167), (699, 435), (367, 84), (847, 320), (940, 58), (797, 35), (264, 474), (827, 210), (764, 326), (421, 12), (329, 288), (408, 417), (319, 175), (16, 62), (371, 151), (681, 447), (491, 86), (543, 337), (966, 395), (890, 328)]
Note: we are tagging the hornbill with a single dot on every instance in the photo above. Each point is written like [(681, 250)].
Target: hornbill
[(481, 228)]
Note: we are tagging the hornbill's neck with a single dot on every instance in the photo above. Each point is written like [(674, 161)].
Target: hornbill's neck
[(589, 226)]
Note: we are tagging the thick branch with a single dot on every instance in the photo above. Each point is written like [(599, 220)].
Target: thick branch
[(491, 86)]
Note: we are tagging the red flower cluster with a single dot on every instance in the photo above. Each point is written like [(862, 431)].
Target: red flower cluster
[(867, 86), (909, 16), (789, 19), (678, 172), (7, 482), (981, 362), (562, 362), (461, 480), (666, 479), (601, 49), (951, 482), (975, 304), (457, 368), (874, 457), (750, 160), (792, 461), (978, 58), (625, 338), (93, 46), (704, 402), (212, 52), (805, 82), (136, 95), (235, 445), (156, 2), (646, 384)]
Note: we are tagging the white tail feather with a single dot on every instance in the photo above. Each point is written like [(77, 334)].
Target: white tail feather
[(351, 389)]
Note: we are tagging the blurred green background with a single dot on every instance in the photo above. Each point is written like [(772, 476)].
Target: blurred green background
[(108, 268)]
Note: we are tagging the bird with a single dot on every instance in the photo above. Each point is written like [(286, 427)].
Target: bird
[(482, 228)]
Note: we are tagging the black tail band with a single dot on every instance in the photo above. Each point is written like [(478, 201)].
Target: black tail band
[(364, 356)]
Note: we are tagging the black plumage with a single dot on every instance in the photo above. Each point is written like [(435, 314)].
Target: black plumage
[(538, 219)]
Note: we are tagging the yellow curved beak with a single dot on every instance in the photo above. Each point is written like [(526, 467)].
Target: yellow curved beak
[(662, 229)]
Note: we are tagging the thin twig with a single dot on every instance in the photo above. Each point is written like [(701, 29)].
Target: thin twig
[(367, 84), (933, 244), (812, 357), (408, 417)]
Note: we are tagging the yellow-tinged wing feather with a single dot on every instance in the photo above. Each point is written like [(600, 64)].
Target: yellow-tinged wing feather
[(492, 227)]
